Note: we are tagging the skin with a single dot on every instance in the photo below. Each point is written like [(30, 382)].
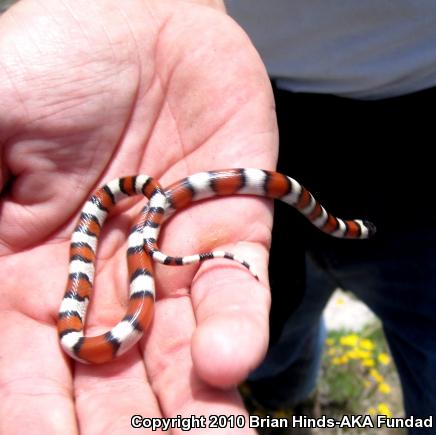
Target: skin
[(92, 91)]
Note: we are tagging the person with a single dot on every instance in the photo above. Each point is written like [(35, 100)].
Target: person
[(92, 92), (353, 84)]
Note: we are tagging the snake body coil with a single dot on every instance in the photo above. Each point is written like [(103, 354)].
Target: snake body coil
[(143, 248)]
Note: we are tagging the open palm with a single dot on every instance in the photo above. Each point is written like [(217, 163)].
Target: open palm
[(92, 91)]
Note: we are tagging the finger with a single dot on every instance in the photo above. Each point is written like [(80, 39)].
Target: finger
[(109, 395), (170, 369), (231, 309), (35, 382)]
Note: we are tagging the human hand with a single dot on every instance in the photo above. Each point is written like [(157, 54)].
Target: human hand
[(92, 91)]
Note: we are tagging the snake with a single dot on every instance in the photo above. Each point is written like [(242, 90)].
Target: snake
[(143, 249)]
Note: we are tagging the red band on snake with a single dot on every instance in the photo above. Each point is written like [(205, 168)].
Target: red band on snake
[(143, 248)]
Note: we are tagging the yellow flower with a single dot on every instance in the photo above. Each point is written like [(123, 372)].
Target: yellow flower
[(366, 344), (352, 354), (339, 361), (330, 342), (383, 409), (376, 375), (384, 358), (357, 353), (371, 411), (332, 351), (384, 388), (344, 359), (363, 354), (349, 340), (368, 362)]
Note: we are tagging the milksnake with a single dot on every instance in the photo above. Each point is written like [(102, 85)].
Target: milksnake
[(142, 246)]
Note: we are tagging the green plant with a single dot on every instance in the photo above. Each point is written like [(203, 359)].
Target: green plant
[(358, 376)]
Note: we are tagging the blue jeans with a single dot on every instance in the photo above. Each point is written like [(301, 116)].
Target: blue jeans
[(394, 274), (396, 278)]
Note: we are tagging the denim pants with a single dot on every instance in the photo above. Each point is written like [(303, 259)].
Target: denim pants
[(360, 160)]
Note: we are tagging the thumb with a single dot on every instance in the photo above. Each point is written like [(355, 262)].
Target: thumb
[(232, 313)]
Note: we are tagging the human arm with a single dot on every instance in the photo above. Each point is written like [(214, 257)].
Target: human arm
[(91, 92)]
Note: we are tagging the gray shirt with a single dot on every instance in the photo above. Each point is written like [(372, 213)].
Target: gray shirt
[(364, 49)]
